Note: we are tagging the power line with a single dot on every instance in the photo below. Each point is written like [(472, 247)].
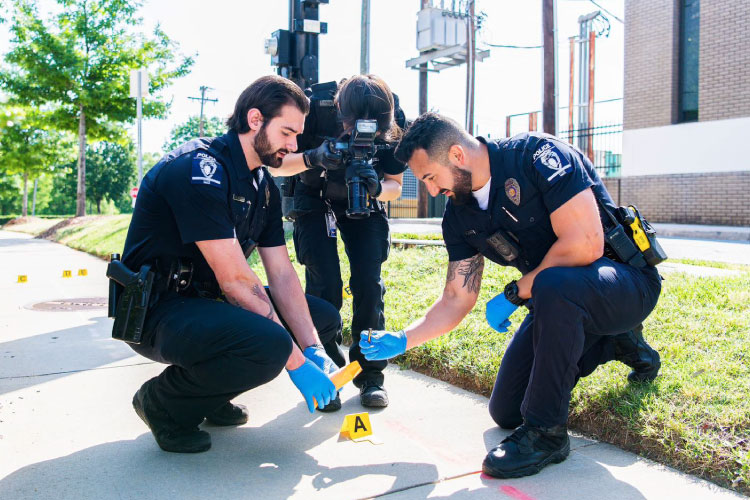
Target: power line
[(203, 99), (608, 12)]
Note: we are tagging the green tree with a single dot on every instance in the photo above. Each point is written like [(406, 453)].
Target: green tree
[(190, 130), (28, 149), (76, 66)]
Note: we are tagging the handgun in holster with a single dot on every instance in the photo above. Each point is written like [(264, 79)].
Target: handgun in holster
[(129, 294)]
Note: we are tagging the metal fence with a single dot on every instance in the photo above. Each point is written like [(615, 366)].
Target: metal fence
[(602, 144)]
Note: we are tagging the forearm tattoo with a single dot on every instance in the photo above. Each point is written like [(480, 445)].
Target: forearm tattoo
[(261, 294), (471, 270)]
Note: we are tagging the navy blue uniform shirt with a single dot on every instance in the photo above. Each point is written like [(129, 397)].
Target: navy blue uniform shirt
[(531, 175), (203, 190)]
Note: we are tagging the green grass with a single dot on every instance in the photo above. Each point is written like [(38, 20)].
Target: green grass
[(711, 263), (417, 236), (695, 416)]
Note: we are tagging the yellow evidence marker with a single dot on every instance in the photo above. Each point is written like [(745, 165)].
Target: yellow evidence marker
[(83, 272), (346, 292), (67, 273), (344, 375), (22, 278), (356, 425)]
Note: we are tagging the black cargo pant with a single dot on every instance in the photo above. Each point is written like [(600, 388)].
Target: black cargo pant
[(367, 242), (566, 335), (217, 351)]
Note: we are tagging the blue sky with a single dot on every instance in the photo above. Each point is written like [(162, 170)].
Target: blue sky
[(226, 37)]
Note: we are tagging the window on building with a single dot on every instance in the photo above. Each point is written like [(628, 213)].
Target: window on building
[(689, 48)]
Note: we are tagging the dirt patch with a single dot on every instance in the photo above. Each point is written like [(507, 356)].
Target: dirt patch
[(50, 233), (20, 220)]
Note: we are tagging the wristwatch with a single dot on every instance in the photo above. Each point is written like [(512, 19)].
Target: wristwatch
[(511, 293)]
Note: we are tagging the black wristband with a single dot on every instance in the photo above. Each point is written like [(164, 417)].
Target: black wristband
[(306, 160), (511, 293)]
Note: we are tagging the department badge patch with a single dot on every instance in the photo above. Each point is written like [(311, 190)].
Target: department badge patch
[(513, 191), (205, 170), (550, 162)]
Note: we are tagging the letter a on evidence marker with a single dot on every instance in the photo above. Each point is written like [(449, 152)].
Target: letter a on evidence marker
[(356, 425)]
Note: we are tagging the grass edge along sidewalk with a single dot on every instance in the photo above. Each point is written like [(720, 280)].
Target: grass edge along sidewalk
[(694, 417)]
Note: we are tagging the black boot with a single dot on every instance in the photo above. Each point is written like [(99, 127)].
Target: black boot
[(169, 435), (373, 395), (527, 451), (632, 349), (333, 405), (229, 414)]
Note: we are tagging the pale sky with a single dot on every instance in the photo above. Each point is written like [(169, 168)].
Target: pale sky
[(226, 37)]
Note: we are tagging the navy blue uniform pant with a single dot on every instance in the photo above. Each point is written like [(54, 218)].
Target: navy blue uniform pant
[(366, 242), (566, 335), (217, 351)]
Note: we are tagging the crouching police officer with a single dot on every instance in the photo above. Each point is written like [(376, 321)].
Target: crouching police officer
[(200, 212), (531, 202), (320, 209)]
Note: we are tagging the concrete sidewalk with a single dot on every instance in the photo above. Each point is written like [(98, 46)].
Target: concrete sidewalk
[(68, 431)]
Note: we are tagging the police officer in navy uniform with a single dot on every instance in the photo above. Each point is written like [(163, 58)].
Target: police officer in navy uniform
[(320, 203), (531, 202), (200, 212)]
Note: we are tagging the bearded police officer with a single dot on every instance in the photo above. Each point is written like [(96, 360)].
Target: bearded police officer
[(535, 203), (200, 212), (321, 209)]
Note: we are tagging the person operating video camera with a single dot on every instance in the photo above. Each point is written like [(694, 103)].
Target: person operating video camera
[(326, 177)]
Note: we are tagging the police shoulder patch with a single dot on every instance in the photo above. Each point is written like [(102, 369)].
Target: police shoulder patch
[(205, 170), (550, 162)]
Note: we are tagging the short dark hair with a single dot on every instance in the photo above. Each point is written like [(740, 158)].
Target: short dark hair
[(368, 97), (435, 134), (268, 94)]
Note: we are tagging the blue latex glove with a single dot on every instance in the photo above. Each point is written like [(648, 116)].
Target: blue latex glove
[(498, 311), (384, 344), (313, 383), (317, 354)]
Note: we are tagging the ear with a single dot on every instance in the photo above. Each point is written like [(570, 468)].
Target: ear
[(457, 154), (254, 119)]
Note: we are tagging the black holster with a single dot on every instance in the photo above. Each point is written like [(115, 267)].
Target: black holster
[(129, 296)]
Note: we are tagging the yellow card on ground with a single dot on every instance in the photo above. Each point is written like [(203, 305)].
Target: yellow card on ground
[(356, 425), (67, 273), (346, 293), (22, 278), (83, 272)]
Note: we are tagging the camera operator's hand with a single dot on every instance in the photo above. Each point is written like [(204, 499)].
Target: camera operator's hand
[(324, 156), (370, 179)]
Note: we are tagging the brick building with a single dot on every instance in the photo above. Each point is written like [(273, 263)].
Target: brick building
[(687, 111)]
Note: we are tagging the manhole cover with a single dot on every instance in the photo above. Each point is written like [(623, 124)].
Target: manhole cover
[(78, 304)]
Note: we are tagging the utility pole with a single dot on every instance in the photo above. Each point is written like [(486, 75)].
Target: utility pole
[(422, 193), (470, 60), (364, 51), (203, 99), (549, 106)]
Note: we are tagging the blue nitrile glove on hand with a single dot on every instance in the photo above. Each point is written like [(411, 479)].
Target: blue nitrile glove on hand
[(317, 354), (498, 311), (383, 345), (313, 383)]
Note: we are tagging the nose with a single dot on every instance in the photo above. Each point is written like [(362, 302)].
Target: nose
[(432, 188), (292, 144)]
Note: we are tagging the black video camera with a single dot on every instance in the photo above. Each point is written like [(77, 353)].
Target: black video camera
[(357, 151)]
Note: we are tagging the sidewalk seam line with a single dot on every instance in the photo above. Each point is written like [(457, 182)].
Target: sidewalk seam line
[(78, 371)]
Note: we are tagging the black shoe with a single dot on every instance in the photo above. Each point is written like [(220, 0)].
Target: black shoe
[(632, 349), (333, 405), (527, 451), (373, 395), (229, 414), (169, 435)]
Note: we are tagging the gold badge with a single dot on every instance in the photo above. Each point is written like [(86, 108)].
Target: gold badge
[(513, 191)]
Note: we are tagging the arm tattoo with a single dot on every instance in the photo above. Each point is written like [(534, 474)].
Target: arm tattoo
[(471, 269), (261, 294)]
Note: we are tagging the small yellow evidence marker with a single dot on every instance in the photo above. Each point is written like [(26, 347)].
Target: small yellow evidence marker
[(356, 425), (22, 278), (67, 273), (83, 272), (346, 292)]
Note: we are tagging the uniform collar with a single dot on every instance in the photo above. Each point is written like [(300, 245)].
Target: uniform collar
[(238, 156), (497, 172)]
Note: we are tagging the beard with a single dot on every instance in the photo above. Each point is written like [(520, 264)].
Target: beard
[(265, 151), (461, 186)]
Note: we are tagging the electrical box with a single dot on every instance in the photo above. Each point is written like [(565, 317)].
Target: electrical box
[(438, 29), (280, 48)]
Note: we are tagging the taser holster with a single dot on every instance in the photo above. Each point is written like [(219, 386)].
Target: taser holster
[(129, 294)]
